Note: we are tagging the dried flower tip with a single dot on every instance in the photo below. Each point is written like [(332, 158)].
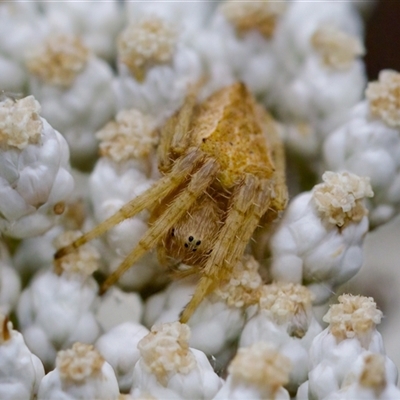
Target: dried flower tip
[(262, 365), (75, 215), (244, 285), (288, 302), (337, 49), (148, 42), (20, 123), (384, 97), (58, 60), (131, 136), (373, 375), (14, 96), (165, 350), (353, 316), (6, 328), (141, 396), (261, 16), (83, 261), (340, 198), (79, 363)]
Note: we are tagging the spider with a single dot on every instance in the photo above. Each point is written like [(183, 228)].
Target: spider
[(223, 171)]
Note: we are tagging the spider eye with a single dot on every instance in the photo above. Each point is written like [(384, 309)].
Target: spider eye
[(190, 238), (198, 243), (173, 232), (186, 245)]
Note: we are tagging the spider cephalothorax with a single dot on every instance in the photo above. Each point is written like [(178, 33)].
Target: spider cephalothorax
[(223, 168)]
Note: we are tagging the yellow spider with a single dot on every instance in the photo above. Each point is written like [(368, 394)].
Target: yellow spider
[(223, 170)]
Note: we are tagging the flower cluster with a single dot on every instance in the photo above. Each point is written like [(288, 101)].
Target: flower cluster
[(89, 101)]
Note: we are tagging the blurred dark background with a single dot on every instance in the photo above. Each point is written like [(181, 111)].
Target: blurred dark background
[(383, 37)]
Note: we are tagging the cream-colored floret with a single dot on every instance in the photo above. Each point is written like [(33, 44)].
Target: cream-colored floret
[(131, 136), (166, 350), (20, 123), (262, 365), (58, 60), (353, 316), (147, 42), (79, 363), (384, 97), (373, 375), (5, 329), (288, 302), (84, 261), (244, 285), (340, 198), (253, 15), (337, 49)]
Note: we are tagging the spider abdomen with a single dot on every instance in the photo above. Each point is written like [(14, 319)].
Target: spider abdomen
[(230, 128)]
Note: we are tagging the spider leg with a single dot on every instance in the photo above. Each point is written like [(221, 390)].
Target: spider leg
[(175, 211), (180, 171), (249, 202), (175, 134), (262, 202), (280, 197)]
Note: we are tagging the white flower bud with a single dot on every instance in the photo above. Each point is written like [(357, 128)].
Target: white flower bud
[(58, 308), (124, 171), (247, 16), (320, 75), (383, 97), (189, 17), (285, 319), (59, 60), (337, 49), (34, 170), (98, 32), (370, 378), (81, 373), (131, 136), (168, 367), (21, 26), (319, 240), (156, 69), (334, 352), (368, 144), (256, 372), (20, 370), (119, 348), (354, 316), (150, 41), (74, 88), (340, 198)]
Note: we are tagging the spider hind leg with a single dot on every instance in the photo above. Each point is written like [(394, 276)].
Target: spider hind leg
[(250, 201)]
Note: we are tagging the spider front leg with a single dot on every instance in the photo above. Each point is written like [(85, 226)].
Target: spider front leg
[(161, 189), (199, 182), (249, 202), (175, 134)]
